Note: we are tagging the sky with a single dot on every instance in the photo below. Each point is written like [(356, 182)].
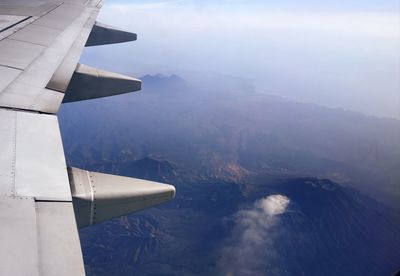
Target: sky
[(334, 53)]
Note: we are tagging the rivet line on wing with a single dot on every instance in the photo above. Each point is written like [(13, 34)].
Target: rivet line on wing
[(91, 199)]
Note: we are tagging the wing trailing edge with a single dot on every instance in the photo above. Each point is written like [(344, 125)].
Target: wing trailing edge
[(98, 197)]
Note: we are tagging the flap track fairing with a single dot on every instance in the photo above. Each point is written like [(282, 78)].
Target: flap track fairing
[(102, 34), (91, 83), (98, 197)]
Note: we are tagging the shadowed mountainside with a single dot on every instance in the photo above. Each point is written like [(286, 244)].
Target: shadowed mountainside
[(327, 229)]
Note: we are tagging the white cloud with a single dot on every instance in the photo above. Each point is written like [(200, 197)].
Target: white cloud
[(273, 205), (249, 250)]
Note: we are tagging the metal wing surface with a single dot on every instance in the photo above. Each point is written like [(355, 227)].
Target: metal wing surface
[(42, 202)]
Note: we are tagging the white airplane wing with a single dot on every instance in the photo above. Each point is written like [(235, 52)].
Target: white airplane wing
[(42, 202)]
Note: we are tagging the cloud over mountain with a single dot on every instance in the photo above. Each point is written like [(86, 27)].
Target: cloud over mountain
[(250, 248)]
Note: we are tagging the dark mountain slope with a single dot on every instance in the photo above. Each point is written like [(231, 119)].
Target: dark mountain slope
[(326, 230)]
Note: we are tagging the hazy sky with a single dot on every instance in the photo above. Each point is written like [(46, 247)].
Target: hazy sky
[(335, 53)]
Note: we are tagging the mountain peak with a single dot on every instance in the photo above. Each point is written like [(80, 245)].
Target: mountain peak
[(161, 77), (160, 83)]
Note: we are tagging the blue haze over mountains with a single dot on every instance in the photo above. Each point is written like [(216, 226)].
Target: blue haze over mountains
[(313, 190), (332, 53)]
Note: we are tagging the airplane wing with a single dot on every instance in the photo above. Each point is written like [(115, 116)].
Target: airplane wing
[(42, 202)]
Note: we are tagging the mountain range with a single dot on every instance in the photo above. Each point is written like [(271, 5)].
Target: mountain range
[(312, 190)]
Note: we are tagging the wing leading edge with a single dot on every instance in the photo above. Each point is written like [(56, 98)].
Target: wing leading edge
[(41, 203)]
